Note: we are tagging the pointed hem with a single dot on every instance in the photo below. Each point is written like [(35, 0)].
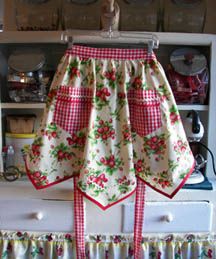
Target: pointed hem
[(176, 190), (47, 185), (108, 206)]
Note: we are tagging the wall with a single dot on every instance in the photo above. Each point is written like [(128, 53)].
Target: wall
[(9, 23)]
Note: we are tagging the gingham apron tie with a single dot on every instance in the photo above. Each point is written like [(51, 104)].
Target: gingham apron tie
[(139, 217), (79, 222)]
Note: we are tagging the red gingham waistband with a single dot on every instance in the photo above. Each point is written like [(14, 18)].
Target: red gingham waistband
[(110, 53)]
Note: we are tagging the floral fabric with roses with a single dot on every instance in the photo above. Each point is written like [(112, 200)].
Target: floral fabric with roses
[(110, 118)]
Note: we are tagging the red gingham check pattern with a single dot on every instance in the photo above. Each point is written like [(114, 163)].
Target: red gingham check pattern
[(110, 53), (145, 113), (79, 223), (139, 217), (73, 108)]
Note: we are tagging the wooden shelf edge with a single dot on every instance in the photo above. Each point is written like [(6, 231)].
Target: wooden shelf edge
[(183, 107), (22, 105)]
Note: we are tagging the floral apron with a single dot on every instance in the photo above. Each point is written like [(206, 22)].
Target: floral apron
[(111, 122)]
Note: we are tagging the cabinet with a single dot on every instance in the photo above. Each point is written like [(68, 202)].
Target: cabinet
[(52, 45)]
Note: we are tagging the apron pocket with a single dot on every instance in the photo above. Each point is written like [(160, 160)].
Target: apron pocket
[(73, 108), (145, 113)]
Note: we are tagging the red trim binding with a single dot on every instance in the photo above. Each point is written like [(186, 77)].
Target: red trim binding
[(176, 190), (44, 186), (108, 206)]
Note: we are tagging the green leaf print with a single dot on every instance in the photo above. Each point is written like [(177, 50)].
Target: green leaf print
[(172, 165), (97, 69), (111, 76), (51, 131), (114, 198), (37, 251), (73, 70), (182, 176), (173, 109), (111, 164), (163, 180), (174, 116), (5, 254), (97, 192), (102, 131), (118, 145), (206, 253), (62, 152), (124, 188), (132, 71), (162, 90), (35, 149), (100, 101), (128, 85), (177, 256), (155, 145), (82, 186), (85, 62)]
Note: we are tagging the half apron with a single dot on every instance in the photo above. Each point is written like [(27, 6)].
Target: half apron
[(110, 121), (110, 117)]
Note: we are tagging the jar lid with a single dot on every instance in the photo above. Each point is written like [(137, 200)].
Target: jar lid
[(18, 135), (27, 60), (188, 61)]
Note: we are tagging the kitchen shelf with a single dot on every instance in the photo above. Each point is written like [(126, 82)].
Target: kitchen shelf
[(196, 107), (84, 36), (22, 105), (42, 106)]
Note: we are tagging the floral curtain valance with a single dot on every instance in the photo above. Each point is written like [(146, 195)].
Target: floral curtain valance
[(20, 245)]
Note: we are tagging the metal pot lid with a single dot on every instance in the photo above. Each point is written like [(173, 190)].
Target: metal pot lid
[(27, 60), (188, 61)]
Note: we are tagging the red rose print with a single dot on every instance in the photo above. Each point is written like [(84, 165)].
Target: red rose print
[(77, 140), (103, 130), (37, 174), (209, 253), (137, 83)]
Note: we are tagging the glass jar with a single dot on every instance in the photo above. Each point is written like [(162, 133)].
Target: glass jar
[(27, 79), (81, 14), (184, 15), (139, 15), (37, 15)]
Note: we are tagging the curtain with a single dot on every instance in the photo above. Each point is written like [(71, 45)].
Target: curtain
[(23, 245)]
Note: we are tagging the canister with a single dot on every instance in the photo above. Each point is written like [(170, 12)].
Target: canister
[(37, 15), (139, 15), (21, 124), (19, 142), (81, 14), (184, 15)]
